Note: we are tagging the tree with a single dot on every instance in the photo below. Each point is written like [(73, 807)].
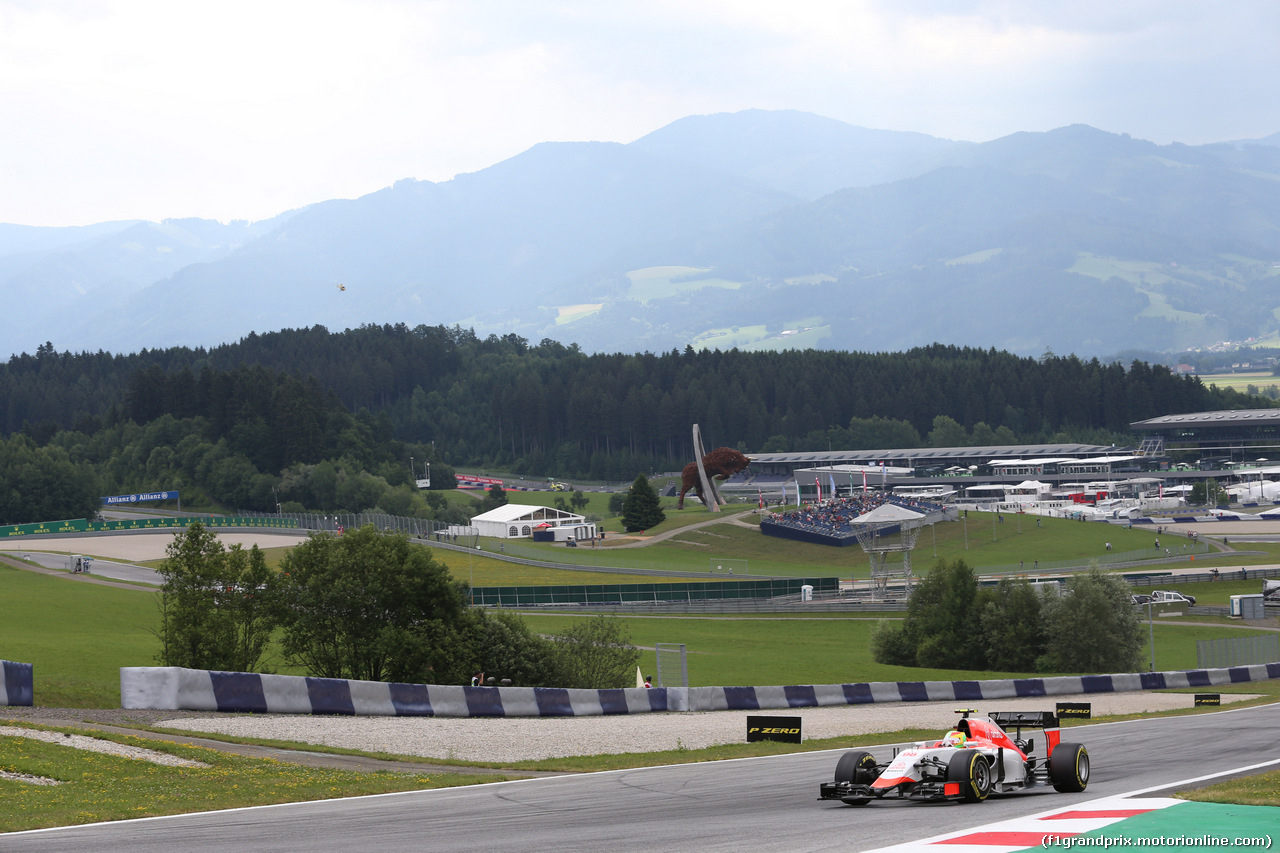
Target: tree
[(942, 619), (941, 626), (578, 501), (1092, 627), (595, 654), (1012, 634), (44, 484), (947, 432), (494, 497), (616, 502), (372, 606), (216, 605), (1205, 492), (641, 509)]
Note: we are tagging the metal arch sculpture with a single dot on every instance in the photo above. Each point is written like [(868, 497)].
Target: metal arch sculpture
[(721, 464)]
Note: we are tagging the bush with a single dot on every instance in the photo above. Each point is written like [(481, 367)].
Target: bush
[(889, 645), (507, 648), (1092, 627), (595, 654)]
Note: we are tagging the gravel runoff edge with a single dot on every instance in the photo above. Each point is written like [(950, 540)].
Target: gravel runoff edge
[(506, 739)]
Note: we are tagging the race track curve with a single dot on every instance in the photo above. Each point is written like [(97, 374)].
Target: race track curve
[(753, 804)]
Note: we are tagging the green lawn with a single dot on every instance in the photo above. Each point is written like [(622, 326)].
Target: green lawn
[(77, 635), (981, 540), (100, 787)]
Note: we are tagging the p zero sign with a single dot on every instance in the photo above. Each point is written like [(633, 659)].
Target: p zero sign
[(140, 498), (785, 729), (1075, 710)]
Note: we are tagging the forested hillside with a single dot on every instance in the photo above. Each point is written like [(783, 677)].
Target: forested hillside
[(329, 420)]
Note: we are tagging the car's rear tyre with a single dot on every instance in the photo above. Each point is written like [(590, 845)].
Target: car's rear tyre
[(1069, 768), (970, 768), (857, 768)]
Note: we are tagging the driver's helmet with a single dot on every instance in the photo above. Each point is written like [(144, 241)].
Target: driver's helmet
[(954, 738)]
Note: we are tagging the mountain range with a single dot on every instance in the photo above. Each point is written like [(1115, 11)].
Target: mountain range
[(756, 230)]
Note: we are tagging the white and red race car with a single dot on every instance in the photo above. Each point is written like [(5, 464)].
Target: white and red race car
[(975, 759)]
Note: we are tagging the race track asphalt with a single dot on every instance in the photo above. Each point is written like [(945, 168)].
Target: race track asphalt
[(752, 804)]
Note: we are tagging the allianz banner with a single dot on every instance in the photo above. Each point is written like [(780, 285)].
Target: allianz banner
[(140, 498)]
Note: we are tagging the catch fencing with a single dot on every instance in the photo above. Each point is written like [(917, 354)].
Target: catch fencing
[(1237, 651)]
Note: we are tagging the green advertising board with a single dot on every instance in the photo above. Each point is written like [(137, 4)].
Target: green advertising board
[(81, 525)]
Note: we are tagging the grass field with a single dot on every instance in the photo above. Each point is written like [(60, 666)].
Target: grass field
[(101, 787), (77, 635), (724, 651), (980, 539), (1261, 380), (653, 283)]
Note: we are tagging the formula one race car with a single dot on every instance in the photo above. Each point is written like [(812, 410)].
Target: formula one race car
[(973, 760)]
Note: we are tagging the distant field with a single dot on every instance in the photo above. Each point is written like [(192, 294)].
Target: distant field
[(569, 313), (798, 334), (975, 257), (663, 282), (1262, 379)]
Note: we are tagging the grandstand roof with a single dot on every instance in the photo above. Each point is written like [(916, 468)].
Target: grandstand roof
[(917, 455), (1228, 417), (888, 513)]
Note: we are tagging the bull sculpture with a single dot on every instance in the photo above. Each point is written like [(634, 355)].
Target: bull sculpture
[(721, 463)]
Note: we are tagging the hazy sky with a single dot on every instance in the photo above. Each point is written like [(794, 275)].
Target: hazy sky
[(243, 109)]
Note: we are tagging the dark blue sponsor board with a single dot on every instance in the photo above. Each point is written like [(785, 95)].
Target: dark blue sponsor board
[(141, 497)]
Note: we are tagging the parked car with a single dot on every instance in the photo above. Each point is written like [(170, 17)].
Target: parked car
[(1139, 600), (1169, 596)]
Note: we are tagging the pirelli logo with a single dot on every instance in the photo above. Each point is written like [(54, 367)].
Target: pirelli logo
[(1075, 710), (1208, 699), (784, 729)]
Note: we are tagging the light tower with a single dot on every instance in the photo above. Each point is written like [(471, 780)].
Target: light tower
[(888, 529)]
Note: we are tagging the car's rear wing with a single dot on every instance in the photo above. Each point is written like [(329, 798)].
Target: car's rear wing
[(1019, 720), (1024, 719)]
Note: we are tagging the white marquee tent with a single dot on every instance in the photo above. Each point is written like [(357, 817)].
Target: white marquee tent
[(518, 521)]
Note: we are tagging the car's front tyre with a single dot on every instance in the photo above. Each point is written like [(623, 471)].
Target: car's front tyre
[(970, 768), (857, 768)]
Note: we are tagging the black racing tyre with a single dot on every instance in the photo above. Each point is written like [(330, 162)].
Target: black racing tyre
[(858, 768), (1069, 768), (970, 768)]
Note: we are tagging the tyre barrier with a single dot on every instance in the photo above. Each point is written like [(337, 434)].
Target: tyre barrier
[(18, 686), (176, 688)]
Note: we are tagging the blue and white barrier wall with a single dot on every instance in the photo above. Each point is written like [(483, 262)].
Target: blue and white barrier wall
[(17, 686), (808, 696), (175, 688)]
